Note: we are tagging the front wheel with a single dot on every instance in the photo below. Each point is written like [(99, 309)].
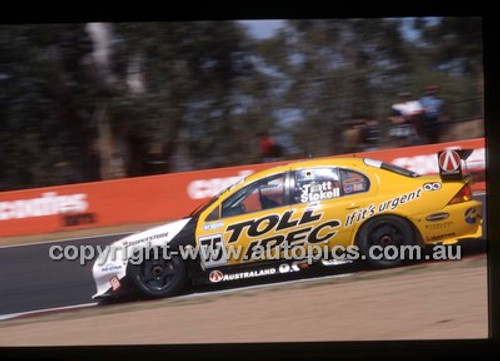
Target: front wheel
[(158, 277), (380, 240)]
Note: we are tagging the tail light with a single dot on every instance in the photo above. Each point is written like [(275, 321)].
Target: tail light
[(463, 195)]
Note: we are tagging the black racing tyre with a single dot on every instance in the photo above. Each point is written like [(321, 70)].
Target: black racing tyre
[(157, 277), (381, 232)]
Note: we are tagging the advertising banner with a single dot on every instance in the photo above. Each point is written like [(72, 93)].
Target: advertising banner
[(171, 196)]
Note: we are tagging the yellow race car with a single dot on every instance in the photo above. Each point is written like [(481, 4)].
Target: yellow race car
[(325, 210)]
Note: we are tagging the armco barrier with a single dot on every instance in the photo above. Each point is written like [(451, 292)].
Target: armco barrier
[(171, 196)]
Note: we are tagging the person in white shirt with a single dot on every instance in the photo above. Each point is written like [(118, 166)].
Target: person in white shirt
[(406, 116), (407, 107)]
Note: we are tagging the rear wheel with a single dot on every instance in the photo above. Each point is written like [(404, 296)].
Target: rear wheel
[(380, 240), (158, 277)]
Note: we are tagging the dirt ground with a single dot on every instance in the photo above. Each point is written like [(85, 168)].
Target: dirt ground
[(445, 300)]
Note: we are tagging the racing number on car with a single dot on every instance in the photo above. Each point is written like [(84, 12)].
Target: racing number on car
[(213, 253)]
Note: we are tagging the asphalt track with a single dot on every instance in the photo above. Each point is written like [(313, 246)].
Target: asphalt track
[(30, 280)]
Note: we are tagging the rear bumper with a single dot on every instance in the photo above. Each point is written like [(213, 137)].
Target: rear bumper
[(478, 235), (454, 223)]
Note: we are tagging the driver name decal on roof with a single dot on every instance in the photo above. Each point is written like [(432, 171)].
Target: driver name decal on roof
[(318, 191)]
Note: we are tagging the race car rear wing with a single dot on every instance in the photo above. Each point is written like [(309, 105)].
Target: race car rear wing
[(450, 163)]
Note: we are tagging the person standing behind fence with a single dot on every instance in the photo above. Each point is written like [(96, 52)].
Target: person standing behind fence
[(370, 134), (433, 108), (406, 116), (270, 149)]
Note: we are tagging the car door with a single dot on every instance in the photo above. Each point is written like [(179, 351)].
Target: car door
[(327, 195), (244, 219)]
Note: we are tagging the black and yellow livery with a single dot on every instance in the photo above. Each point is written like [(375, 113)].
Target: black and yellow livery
[(325, 202)]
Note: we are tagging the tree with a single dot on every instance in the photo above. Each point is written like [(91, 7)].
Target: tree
[(336, 70), (84, 102), (454, 45), (97, 101), (44, 106), (190, 73)]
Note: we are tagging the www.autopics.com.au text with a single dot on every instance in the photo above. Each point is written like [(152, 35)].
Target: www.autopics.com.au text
[(221, 255)]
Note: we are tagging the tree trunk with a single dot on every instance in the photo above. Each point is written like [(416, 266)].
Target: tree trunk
[(84, 159), (111, 154)]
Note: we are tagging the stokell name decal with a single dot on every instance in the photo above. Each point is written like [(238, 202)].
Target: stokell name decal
[(317, 192)]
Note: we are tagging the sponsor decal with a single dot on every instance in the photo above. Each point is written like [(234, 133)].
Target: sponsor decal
[(115, 283), (428, 163), (360, 215), (295, 238), (394, 203), (211, 226), (316, 192), (353, 185), (437, 216), (141, 240), (79, 219), (47, 205), (249, 274), (218, 276), (109, 268), (441, 236), (334, 262), (272, 222), (429, 187), (389, 205), (215, 276), (358, 187), (287, 268), (439, 226), (450, 167), (275, 223), (471, 215), (449, 161)]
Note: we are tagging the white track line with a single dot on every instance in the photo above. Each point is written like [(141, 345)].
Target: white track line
[(188, 296), (191, 295), (65, 240), (46, 310)]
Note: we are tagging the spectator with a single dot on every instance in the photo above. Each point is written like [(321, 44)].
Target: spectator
[(433, 108), (270, 149), (402, 133), (352, 136), (406, 115), (370, 134), (363, 134)]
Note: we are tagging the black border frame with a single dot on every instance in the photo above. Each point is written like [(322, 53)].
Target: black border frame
[(434, 350)]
